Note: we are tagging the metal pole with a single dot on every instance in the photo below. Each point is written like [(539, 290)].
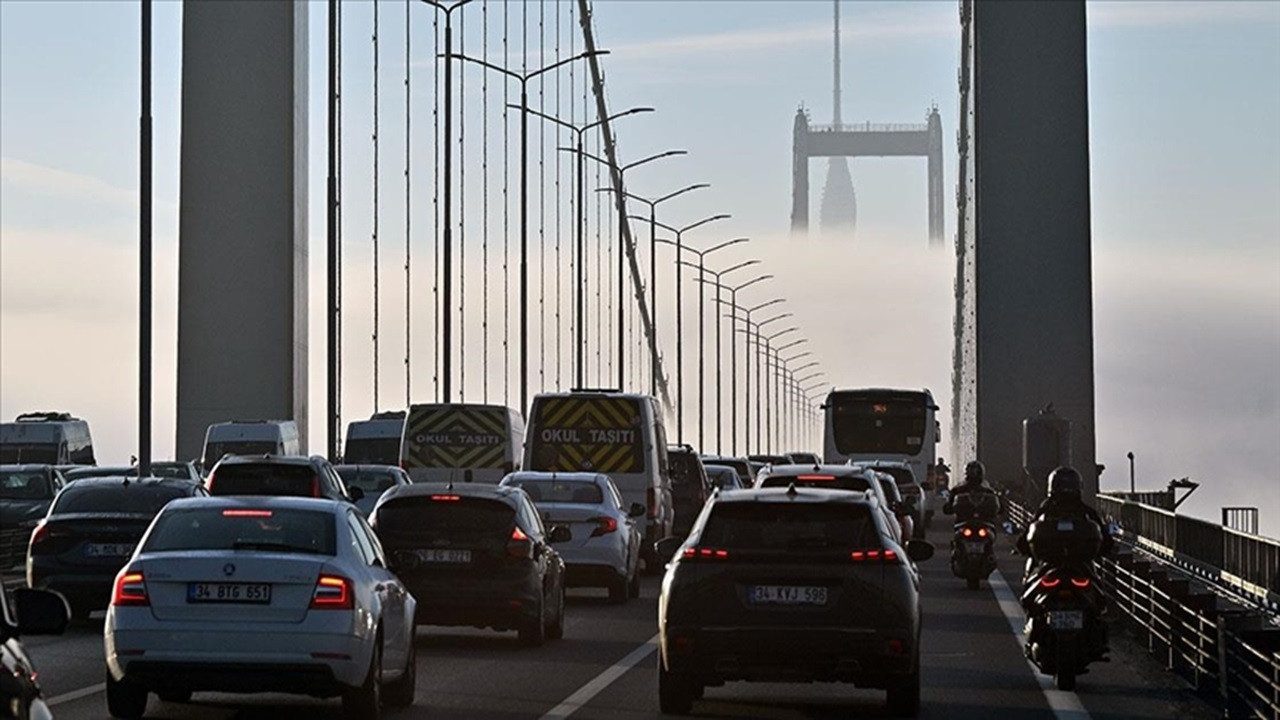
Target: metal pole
[(331, 237), (1132, 483), (580, 374), (719, 374), (746, 381), (768, 398), (653, 296), (702, 364), (679, 345), (622, 300), (144, 253), (760, 390), (524, 246), (733, 369), (446, 307)]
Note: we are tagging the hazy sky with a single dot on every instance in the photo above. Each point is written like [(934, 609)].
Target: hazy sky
[(1185, 132)]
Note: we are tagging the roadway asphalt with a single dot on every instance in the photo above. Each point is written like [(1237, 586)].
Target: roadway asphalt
[(604, 668)]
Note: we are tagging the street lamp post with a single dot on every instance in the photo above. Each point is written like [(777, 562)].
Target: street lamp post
[(653, 268), (779, 388), (580, 229), (702, 313), (746, 366), (679, 243), (523, 79), (764, 348), (732, 348), (793, 397), (622, 250)]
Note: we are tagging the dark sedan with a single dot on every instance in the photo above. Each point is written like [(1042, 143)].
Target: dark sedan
[(91, 530), (26, 491), (475, 555)]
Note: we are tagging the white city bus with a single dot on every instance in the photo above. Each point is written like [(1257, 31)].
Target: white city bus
[(870, 424)]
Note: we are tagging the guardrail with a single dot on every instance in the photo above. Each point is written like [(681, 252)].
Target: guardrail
[(1246, 562), (1233, 655), (13, 548), (871, 127)]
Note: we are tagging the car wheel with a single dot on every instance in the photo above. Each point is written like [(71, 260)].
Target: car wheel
[(174, 696), (903, 698), (365, 702), (555, 630), (400, 692), (675, 692), (125, 699), (533, 631), (633, 587), (618, 590)]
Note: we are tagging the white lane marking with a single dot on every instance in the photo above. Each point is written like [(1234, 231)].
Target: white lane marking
[(76, 694), (584, 694), (1065, 705)]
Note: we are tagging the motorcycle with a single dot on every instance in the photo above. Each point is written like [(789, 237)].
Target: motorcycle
[(973, 555), (1064, 629)]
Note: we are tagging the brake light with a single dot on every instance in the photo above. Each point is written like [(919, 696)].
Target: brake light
[(446, 498), (816, 478), (886, 556), (246, 513), (130, 590), (967, 532), (696, 553), (982, 532), (1080, 582), (605, 526), (651, 499), (333, 592), (517, 535), (1050, 582), (315, 486), (519, 545)]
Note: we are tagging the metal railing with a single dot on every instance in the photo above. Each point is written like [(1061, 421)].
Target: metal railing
[(871, 127), (13, 549)]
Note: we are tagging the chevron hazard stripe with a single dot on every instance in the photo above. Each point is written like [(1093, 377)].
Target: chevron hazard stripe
[(445, 436), (600, 434)]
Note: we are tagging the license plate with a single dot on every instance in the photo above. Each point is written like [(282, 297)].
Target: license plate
[(259, 593), (975, 548), (445, 556), (109, 549), (787, 595), (1066, 620)]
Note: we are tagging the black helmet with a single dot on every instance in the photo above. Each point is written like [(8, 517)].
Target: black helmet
[(1064, 481), (975, 472)]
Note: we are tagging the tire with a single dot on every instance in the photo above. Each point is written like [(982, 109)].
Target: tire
[(619, 591), (365, 702), (675, 693), (903, 698), (555, 630), (399, 693), (174, 696), (973, 581), (1064, 675), (533, 631), (125, 699), (633, 587)]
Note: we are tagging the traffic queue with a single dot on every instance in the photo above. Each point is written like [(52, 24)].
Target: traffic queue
[(276, 571)]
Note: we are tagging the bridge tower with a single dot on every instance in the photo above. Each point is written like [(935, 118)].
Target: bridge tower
[(839, 210), (1024, 288), (242, 222)]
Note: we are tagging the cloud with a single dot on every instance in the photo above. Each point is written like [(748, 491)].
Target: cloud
[(1149, 14), (67, 185)]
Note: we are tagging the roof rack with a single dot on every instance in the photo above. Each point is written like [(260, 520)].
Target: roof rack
[(46, 416), (594, 390)]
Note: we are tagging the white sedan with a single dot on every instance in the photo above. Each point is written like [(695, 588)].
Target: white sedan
[(259, 594), (605, 548)]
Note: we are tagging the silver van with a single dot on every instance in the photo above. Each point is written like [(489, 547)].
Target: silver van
[(375, 441), (621, 435), (461, 441), (250, 437), (49, 438)]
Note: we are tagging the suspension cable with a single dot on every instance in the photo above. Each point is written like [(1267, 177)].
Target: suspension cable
[(376, 317), (506, 215), (542, 201), (558, 133), (484, 206), (461, 271), (338, 198), (435, 201), (408, 115), (599, 274)]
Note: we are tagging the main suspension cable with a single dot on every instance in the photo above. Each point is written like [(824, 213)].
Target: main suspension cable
[(376, 317), (408, 114), (484, 206)]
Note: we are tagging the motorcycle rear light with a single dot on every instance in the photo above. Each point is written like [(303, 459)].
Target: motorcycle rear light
[(705, 554), (982, 532), (246, 513), (1080, 582), (604, 526), (130, 590), (447, 498), (1050, 582), (333, 592), (967, 532)]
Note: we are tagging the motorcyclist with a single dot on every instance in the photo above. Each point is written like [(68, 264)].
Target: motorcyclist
[(1065, 499), (975, 475)]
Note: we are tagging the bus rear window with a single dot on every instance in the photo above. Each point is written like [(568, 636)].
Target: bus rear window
[(297, 480), (870, 424)]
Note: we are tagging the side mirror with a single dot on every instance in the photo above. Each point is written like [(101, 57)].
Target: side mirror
[(666, 548), (559, 534), (40, 612), (636, 510), (356, 494), (919, 550)]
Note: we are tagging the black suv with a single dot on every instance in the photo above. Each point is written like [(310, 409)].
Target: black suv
[(295, 475), (690, 487), (790, 584), (475, 554)]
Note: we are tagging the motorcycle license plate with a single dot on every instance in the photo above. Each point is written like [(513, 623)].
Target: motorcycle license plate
[(1066, 620), (975, 548)]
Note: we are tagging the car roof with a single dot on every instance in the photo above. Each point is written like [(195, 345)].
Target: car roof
[(882, 463), (724, 458), (268, 459), (836, 470), (27, 467), (370, 467), (544, 475), (260, 501), (797, 494), (120, 480)]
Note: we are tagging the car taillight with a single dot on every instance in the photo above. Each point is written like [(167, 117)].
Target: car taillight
[(208, 483), (519, 546), (701, 553), (604, 526), (881, 556), (130, 590), (447, 498), (44, 531), (651, 499), (1080, 582), (1050, 582), (315, 486), (333, 592)]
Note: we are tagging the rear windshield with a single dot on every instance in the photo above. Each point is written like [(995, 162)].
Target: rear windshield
[(558, 491), (177, 471), (368, 480), (116, 498), (372, 451), (902, 476), (789, 526), (264, 480), (213, 452), (724, 478), (742, 467), (846, 482), (685, 468), (24, 485), (276, 530), (449, 516)]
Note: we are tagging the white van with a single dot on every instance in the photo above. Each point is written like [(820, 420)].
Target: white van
[(618, 434), (250, 437), (51, 438), (461, 442), (375, 441)]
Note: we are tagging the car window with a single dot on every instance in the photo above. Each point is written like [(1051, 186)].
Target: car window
[(221, 528), (359, 542), (577, 492), (789, 527), (378, 553), (530, 518), (116, 498), (25, 485), (264, 479), (613, 492), (370, 481)]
